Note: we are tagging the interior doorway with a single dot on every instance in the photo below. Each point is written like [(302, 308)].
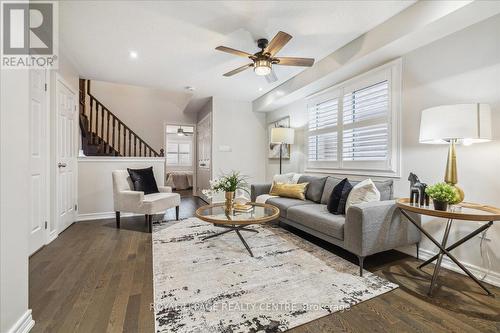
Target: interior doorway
[(180, 152), (204, 156)]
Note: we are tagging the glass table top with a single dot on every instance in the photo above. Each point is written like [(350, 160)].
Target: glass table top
[(258, 213)]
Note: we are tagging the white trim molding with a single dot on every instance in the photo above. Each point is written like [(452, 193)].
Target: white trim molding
[(119, 159), (24, 324), (102, 216)]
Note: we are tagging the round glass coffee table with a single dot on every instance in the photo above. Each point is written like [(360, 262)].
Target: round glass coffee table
[(235, 220)]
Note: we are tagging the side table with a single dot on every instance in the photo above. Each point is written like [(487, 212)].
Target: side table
[(463, 211)]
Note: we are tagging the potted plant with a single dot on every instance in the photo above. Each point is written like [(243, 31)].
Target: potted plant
[(228, 183), (442, 194)]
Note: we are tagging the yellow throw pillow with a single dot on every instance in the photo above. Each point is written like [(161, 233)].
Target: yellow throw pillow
[(296, 191)]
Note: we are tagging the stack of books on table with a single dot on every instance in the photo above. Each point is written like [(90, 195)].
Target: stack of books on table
[(242, 207)]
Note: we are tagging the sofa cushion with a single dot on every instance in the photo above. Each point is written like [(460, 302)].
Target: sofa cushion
[(366, 191), (315, 187), (317, 217), (385, 187), (338, 198), (295, 191), (285, 203)]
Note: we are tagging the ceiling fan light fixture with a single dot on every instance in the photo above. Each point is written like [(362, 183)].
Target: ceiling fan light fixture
[(262, 67)]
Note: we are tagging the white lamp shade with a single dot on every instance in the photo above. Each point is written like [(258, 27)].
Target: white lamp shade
[(282, 135), (466, 123)]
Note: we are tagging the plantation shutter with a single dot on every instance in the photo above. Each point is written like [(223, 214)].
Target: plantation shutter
[(353, 127), (366, 123), (322, 140)]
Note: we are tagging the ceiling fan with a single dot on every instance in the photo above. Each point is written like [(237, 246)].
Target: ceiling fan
[(263, 60)]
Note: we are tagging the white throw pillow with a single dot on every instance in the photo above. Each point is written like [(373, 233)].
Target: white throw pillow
[(287, 178), (365, 191)]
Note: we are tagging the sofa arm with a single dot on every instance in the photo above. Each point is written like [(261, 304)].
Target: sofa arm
[(128, 201), (374, 227), (165, 189), (258, 189)]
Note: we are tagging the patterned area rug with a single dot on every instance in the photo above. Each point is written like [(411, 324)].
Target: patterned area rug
[(215, 286)]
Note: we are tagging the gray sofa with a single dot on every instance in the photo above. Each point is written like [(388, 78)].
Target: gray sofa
[(366, 228)]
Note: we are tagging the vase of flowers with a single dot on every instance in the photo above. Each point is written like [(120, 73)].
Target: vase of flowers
[(442, 195), (228, 183)]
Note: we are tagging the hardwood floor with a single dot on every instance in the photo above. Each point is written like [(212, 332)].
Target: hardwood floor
[(96, 278)]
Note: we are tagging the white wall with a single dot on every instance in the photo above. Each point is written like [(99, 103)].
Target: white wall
[(14, 217), (243, 132), (144, 110), (95, 185), (461, 68)]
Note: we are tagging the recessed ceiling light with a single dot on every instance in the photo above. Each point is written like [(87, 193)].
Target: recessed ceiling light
[(260, 89), (133, 54)]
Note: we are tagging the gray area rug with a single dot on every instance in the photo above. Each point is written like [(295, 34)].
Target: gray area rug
[(215, 286)]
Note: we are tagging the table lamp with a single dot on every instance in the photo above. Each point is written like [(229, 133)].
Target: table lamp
[(455, 124), (281, 136)]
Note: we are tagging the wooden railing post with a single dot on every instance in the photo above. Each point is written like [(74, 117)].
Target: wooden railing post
[(118, 146), (124, 140), (90, 121), (108, 150), (113, 134), (102, 129)]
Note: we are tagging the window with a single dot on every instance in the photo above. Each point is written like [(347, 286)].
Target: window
[(179, 153), (354, 126)]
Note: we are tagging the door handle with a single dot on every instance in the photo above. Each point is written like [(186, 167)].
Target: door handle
[(61, 165)]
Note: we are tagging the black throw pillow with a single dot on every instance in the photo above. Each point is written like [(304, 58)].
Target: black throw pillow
[(338, 198), (143, 180)]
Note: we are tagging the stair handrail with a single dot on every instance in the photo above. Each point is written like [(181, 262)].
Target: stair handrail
[(93, 100)]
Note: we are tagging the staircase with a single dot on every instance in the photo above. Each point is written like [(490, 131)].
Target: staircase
[(104, 134)]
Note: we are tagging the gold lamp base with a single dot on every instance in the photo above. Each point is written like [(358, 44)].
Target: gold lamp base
[(450, 175)]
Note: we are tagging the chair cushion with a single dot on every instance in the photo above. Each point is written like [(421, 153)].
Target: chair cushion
[(158, 202), (143, 180), (385, 187), (317, 217), (338, 198), (315, 187), (285, 203)]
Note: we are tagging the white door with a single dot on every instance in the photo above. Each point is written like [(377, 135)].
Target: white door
[(66, 123), (39, 194), (204, 156)]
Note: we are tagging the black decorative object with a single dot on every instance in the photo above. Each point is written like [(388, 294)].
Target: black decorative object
[(417, 191)]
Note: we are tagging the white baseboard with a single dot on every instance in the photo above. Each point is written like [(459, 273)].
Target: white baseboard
[(101, 216), (24, 324), (492, 277)]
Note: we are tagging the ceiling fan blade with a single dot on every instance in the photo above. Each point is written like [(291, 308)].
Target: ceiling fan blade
[(239, 69), (277, 43), (233, 51), (291, 61), (271, 77)]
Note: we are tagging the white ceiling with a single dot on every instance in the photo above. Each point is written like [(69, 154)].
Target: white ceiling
[(175, 40)]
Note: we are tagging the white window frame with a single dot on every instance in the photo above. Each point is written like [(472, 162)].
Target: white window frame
[(392, 72)]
